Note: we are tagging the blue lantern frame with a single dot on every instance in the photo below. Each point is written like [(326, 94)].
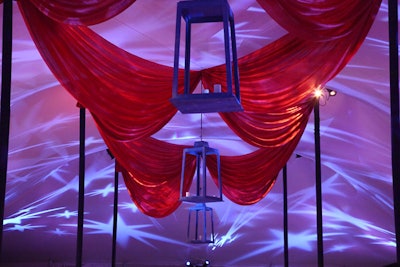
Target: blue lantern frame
[(228, 100), (201, 150)]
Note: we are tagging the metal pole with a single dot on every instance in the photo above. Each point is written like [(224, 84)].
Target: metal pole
[(115, 221), (318, 184), (394, 104), (5, 106), (285, 217), (81, 201)]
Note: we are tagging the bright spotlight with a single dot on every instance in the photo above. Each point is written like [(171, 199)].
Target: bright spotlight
[(331, 92), (318, 92)]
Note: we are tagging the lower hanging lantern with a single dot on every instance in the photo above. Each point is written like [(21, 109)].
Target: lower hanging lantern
[(201, 151), (201, 229)]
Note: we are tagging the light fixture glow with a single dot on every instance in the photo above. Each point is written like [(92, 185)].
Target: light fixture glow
[(331, 92), (318, 92), (322, 92)]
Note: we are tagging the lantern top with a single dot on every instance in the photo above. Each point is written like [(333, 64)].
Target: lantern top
[(201, 144), (225, 98), (200, 11)]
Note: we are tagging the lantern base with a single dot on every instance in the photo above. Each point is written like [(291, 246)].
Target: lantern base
[(207, 241), (206, 103), (199, 231), (201, 199)]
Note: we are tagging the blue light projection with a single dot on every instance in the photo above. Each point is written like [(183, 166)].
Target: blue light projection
[(42, 183)]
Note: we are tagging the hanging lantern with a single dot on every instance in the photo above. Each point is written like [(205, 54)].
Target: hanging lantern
[(201, 151), (220, 99), (199, 231)]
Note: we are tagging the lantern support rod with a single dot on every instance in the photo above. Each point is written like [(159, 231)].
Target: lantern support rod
[(235, 57), (227, 50), (187, 57), (176, 57)]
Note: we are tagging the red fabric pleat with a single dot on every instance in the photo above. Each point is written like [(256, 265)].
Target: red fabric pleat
[(81, 12), (322, 20)]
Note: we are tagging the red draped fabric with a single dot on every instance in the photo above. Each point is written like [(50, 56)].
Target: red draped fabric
[(81, 12), (322, 20), (248, 178), (129, 97), (99, 76), (152, 164)]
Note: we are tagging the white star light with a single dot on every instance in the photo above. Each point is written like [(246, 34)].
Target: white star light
[(242, 218), (26, 216), (59, 232), (104, 191), (126, 232), (22, 228), (129, 206), (304, 241), (66, 214)]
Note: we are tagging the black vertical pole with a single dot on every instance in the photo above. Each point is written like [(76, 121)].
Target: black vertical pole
[(394, 104), (285, 217), (5, 106), (318, 184), (81, 202), (115, 221)]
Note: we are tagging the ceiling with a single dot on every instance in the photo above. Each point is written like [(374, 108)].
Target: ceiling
[(42, 183)]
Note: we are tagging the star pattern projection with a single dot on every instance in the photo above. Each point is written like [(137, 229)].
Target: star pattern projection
[(42, 182)]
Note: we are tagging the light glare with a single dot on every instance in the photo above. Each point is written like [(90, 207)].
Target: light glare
[(318, 92)]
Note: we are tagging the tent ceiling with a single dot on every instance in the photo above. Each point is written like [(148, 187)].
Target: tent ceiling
[(41, 201)]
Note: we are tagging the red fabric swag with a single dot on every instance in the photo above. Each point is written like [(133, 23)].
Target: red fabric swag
[(129, 96), (322, 20), (81, 12)]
